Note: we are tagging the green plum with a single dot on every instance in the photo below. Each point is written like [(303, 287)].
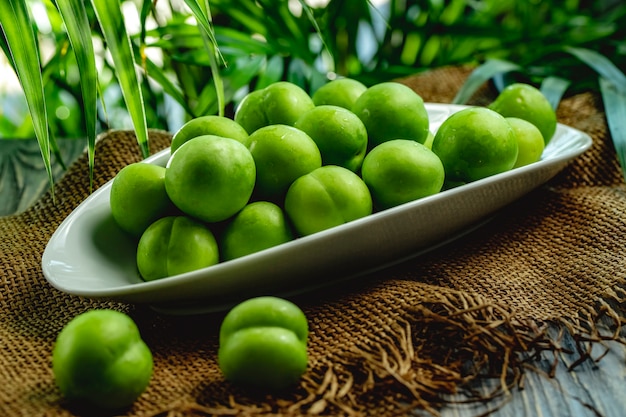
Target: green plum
[(339, 134), (263, 343), (281, 154), (175, 245), (209, 125), (528, 103), (342, 92), (429, 140), (391, 110), (278, 103), (210, 177), (400, 170), (529, 140), (138, 197), (250, 113), (475, 143), (326, 197), (99, 358), (259, 225)]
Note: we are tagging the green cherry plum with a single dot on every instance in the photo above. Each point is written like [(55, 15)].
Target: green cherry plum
[(100, 359), (278, 103), (529, 140), (174, 245), (475, 143), (281, 155), (259, 225), (138, 197), (342, 92), (400, 170), (210, 177), (208, 125), (391, 110), (339, 134), (326, 197), (263, 343), (527, 102)]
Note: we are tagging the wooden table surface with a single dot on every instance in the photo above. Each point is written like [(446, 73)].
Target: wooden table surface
[(593, 388)]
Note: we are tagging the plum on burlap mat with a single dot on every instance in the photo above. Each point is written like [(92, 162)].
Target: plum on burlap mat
[(399, 339)]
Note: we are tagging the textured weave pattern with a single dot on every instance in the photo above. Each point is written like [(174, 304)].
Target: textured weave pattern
[(393, 341)]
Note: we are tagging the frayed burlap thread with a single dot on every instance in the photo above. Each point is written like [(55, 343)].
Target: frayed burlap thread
[(408, 337)]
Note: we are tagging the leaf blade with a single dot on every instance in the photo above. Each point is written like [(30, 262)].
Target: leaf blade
[(111, 19), (480, 75), (15, 24), (553, 89), (169, 87), (202, 12), (74, 16), (601, 64), (614, 100)]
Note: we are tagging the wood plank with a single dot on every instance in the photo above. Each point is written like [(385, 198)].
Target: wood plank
[(592, 389)]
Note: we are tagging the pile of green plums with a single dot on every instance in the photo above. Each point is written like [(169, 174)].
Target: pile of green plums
[(288, 165)]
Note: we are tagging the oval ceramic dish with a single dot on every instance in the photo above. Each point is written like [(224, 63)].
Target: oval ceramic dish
[(88, 255)]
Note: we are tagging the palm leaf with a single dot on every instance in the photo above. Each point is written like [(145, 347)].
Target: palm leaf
[(614, 100), (613, 89), (169, 87), (272, 72), (480, 75), (553, 88), (21, 42), (78, 29), (601, 64), (111, 19), (234, 42), (146, 8), (3, 43), (202, 12), (250, 18), (309, 14)]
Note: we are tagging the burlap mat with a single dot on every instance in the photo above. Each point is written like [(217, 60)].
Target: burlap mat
[(400, 339)]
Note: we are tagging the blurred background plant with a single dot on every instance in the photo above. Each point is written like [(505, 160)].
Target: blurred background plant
[(564, 46)]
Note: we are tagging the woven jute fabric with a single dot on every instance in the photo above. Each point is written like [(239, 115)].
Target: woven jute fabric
[(400, 339)]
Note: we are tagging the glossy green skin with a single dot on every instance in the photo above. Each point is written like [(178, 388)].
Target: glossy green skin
[(266, 311), (259, 225), (99, 358), (528, 103), (429, 140), (263, 343), (174, 245), (209, 125), (138, 197), (250, 113), (529, 141), (279, 103), (391, 110), (399, 171), (339, 134), (342, 92), (475, 143), (210, 177), (281, 154), (325, 198)]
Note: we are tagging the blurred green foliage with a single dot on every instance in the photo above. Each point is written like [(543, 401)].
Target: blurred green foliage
[(262, 41)]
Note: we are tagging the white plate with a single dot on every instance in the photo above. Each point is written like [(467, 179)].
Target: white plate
[(89, 256)]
